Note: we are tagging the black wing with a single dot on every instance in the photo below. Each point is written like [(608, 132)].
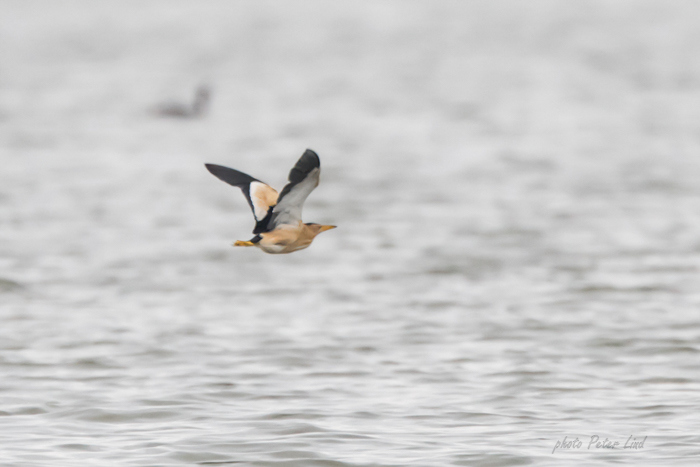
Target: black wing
[(261, 197)]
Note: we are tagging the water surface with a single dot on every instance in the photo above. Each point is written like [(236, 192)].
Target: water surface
[(516, 261)]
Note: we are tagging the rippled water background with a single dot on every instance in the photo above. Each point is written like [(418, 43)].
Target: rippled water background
[(516, 189)]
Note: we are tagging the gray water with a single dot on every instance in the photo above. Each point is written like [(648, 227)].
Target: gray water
[(516, 190)]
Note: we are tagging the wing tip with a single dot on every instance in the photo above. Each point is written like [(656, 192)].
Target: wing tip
[(304, 166), (231, 176), (311, 154), (215, 169)]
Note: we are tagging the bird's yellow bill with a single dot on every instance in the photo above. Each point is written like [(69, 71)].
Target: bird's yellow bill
[(327, 227)]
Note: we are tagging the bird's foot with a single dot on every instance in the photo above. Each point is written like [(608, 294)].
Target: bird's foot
[(242, 243)]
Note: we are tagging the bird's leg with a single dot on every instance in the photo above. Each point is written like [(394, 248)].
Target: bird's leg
[(242, 243)]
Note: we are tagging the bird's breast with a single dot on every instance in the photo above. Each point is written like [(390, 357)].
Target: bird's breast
[(285, 239)]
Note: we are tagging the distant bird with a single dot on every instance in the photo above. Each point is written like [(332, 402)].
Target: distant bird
[(278, 225), (199, 106)]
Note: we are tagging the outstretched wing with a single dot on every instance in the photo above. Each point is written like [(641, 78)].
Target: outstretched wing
[(261, 197), (303, 178)]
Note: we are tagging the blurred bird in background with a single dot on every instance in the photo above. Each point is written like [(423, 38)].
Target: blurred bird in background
[(198, 108)]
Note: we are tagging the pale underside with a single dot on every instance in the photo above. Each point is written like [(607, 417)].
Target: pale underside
[(288, 209)]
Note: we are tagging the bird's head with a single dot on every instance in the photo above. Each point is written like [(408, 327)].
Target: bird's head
[(318, 228)]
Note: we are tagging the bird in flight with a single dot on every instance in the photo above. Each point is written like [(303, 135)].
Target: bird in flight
[(278, 226)]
